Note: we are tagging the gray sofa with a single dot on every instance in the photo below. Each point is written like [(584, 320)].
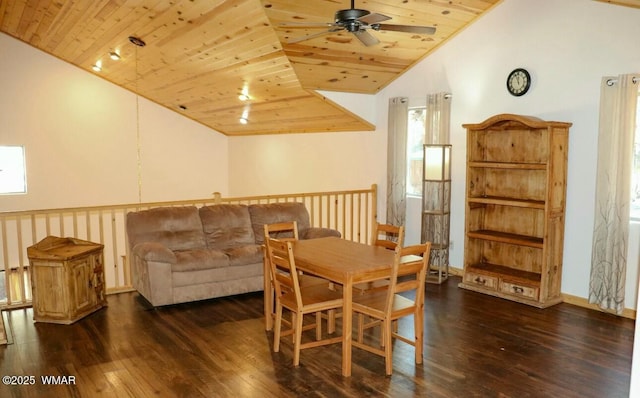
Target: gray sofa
[(182, 254)]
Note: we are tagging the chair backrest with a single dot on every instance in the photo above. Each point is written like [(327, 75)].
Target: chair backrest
[(387, 236), (283, 268), (409, 272), (284, 231)]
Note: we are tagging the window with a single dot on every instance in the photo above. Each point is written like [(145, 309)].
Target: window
[(12, 170), (415, 140)]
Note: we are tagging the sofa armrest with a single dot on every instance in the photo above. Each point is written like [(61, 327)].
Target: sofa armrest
[(317, 232), (152, 272), (152, 251)]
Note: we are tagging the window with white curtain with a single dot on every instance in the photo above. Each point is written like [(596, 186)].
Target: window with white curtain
[(635, 173), (12, 170), (415, 140)]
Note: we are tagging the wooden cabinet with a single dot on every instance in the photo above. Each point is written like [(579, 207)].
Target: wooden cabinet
[(515, 205), (67, 279)]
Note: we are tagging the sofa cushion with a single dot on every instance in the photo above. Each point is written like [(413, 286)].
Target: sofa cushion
[(226, 226), (317, 232), (246, 254), (226, 275), (270, 213), (194, 260), (177, 228)]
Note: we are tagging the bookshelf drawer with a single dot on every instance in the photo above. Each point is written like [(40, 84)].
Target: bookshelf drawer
[(520, 290), (486, 281)]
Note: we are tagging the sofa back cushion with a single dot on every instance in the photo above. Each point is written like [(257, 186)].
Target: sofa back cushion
[(270, 213), (226, 226), (177, 228)]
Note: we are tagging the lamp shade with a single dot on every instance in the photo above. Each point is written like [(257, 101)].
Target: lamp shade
[(437, 162)]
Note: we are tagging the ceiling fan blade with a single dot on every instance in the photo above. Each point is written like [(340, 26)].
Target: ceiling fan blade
[(366, 38), (312, 36), (307, 25), (422, 30), (373, 18)]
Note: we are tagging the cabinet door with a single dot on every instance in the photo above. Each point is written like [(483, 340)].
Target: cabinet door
[(81, 274), (49, 290), (98, 295)]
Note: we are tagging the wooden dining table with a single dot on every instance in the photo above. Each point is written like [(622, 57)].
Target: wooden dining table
[(341, 261)]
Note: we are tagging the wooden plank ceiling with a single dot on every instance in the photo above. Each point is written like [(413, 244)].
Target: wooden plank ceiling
[(200, 55)]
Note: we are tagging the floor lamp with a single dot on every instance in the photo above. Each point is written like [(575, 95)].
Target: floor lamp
[(436, 208)]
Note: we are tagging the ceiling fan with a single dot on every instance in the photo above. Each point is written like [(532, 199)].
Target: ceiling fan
[(357, 21)]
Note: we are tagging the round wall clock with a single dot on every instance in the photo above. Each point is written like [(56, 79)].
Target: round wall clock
[(518, 82)]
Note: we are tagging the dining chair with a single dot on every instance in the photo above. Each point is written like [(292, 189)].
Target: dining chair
[(288, 231), (300, 300), (282, 231), (387, 236), (387, 307)]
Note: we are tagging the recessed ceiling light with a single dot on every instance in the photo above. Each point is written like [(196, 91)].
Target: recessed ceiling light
[(97, 67), (137, 41), (244, 119), (244, 93), (114, 55)]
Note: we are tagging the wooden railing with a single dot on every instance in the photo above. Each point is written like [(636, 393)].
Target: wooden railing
[(351, 212)]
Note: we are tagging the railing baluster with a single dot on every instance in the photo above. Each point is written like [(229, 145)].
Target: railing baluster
[(5, 258), (20, 270), (114, 248)]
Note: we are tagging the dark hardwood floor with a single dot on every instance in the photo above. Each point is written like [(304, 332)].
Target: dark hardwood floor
[(475, 346)]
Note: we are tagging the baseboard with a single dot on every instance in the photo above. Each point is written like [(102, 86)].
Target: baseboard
[(583, 302), (455, 271)]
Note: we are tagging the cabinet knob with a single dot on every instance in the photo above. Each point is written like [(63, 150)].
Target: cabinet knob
[(480, 281)]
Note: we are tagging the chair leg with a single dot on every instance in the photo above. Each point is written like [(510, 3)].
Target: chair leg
[(293, 322), (318, 325), (418, 327), (297, 333), (277, 328), (331, 321), (360, 328), (388, 354)]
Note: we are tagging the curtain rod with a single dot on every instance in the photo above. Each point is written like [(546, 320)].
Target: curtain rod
[(611, 82)]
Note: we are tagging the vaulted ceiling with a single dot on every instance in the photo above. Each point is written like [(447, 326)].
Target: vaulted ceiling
[(201, 55)]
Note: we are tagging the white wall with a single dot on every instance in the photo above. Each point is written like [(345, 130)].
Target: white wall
[(270, 164), (80, 138)]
